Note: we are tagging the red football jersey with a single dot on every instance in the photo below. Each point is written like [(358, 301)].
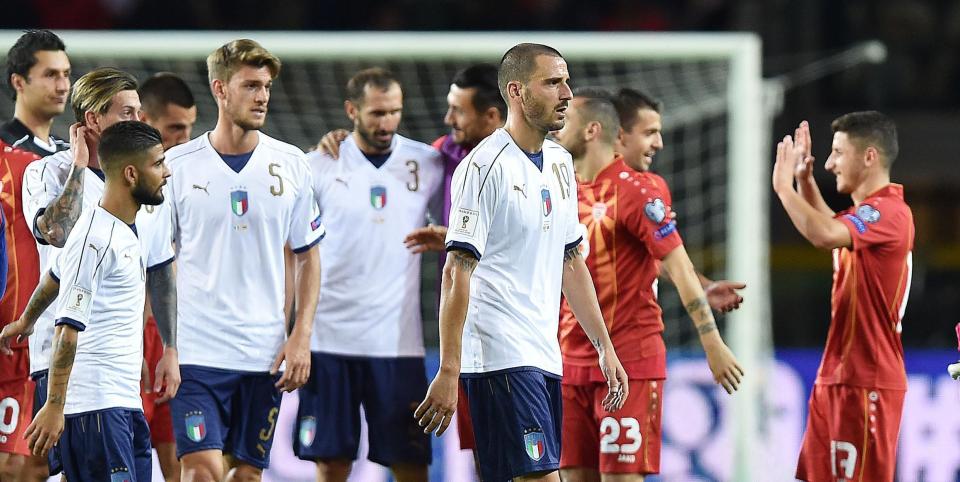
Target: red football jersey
[(871, 283), (23, 263), (629, 228)]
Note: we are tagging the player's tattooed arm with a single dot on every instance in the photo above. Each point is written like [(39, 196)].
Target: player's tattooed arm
[(62, 213), (43, 296), (61, 364), (463, 260), (161, 286), (702, 316), (570, 254), (436, 410), (724, 366)]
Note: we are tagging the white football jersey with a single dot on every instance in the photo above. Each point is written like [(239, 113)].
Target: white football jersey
[(43, 181), (370, 292), (230, 230), (518, 220), (102, 278)]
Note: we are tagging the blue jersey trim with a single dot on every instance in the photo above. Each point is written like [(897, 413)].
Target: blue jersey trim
[(512, 370), (161, 264), (569, 246), (536, 158), (70, 322), (460, 245), (36, 232), (304, 249), (236, 162)]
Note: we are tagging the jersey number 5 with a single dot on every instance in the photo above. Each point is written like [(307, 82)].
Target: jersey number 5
[(278, 189)]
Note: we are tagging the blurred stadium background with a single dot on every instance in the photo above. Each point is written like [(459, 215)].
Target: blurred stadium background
[(917, 85)]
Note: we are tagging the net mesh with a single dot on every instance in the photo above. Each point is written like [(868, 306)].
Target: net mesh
[(307, 101)]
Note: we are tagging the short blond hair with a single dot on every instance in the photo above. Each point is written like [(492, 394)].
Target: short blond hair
[(227, 60), (95, 90)]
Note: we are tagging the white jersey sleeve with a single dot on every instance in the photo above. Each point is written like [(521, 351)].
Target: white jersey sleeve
[(155, 225), (83, 262), (476, 197), (306, 229), (40, 187)]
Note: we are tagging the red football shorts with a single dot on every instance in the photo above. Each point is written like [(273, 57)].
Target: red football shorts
[(625, 442), (851, 434), (158, 416), (16, 412), (464, 422)]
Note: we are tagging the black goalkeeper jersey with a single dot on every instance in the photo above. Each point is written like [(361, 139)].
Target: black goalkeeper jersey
[(17, 135)]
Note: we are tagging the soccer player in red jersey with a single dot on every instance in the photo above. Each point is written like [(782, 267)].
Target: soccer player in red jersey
[(857, 399), (626, 214), (23, 265), (38, 75)]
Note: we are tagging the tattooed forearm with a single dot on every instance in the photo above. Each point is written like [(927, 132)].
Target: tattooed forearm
[(702, 316), (41, 299), (62, 213), (706, 328), (161, 286), (463, 260), (571, 254), (61, 364)]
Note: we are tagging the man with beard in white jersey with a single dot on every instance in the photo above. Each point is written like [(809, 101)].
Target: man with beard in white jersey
[(58, 188), (239, 198), (512, 248), (93, 396), (367, 345)]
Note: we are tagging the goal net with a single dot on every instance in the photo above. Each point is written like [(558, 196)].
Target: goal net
[(714, 134)]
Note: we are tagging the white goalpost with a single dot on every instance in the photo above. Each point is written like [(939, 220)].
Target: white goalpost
[(716, 134)]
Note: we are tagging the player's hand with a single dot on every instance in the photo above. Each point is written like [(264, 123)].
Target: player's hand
[(436, 410), (789, 154), (79, 144), (18, 329), (167, 381), (427, 238), (726, 371), (296, 352), (44, 432), (330, 143), (618, 386), (722, 295), (804, 169)]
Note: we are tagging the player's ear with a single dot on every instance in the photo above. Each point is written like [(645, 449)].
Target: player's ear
[(351, 109), (216, 86), (593, 130), (130, 174), (871, 156), (513, 89), (17, 81), (90, 120)]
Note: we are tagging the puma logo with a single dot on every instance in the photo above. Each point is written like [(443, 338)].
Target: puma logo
[(521, 190), (203, 188), (96, 249), (127, 255), (341, 181)]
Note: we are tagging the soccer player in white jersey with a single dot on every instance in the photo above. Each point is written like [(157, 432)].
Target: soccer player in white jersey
[(93, 396), (239, 197), (512, 246), (367, 341), (58, 188)]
